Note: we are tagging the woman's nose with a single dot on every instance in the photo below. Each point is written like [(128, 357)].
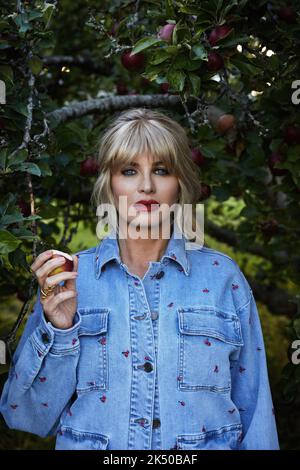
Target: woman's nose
[(146, 183)]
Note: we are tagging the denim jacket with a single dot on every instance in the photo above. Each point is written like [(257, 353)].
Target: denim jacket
[(175, 360)]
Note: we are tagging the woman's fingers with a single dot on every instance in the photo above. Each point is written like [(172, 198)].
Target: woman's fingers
[(40, 260), (49, 266), (55, 300), (57, 278)]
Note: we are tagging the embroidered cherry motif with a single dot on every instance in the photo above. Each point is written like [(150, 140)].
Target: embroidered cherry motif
[(125, 353), (102, 340), (241, 369), (208, 343), (231, 411), (216, 263), (147, 358), (42, 379), (216, 369), (235, 286), (179, 377), (205, 290), (45, 404), (181, 402), (14, 407), (171, 304), (74, 341), (103, 398)]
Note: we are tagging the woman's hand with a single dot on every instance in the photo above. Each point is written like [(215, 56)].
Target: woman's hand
[(60, 305)]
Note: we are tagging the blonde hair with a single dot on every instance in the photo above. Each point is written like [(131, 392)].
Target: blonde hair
[(142, 130)]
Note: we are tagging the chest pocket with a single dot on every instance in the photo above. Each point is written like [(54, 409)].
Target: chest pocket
[(92, 369), (208, 340)]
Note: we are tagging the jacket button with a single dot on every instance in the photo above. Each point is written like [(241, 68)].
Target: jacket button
[(154, 315), (156, 423), (148, 367), (160, 275), (45, 338)]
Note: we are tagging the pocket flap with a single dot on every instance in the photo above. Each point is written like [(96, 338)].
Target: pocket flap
[(93, 321), (208, 321)]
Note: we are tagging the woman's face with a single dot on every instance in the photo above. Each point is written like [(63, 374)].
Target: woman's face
[(145, 179)]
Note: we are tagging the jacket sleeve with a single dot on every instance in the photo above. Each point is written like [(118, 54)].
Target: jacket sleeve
[(250, 384), (42, 375)]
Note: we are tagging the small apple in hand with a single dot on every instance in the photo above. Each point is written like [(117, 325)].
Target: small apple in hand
[(67, 266)]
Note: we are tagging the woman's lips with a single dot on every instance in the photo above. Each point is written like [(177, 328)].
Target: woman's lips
[(146, 207)]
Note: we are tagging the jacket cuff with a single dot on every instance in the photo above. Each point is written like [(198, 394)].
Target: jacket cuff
[(58, 341)]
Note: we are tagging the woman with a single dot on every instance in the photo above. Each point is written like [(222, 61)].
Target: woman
[(149, 343)]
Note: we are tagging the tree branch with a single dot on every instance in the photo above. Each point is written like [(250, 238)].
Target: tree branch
[(111, 104)]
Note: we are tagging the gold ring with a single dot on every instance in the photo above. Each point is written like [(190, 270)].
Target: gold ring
[(45, 292)]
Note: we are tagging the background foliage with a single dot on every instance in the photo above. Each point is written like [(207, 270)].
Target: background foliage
[(67, 75)]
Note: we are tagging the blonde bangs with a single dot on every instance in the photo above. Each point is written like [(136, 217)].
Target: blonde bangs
[(142, 137)]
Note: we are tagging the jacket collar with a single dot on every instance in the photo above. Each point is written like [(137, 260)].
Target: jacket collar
[(108, 249)]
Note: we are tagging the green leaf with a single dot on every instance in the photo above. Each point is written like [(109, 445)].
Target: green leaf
[(8, 200), (6, 73), (30, 167), (10, 219), (199, 52), (195, 82), (18, 157), (144, 43), (21, 20), (24, 234), (47, 13), (158, 57), (8, 242), (35, 65), (176, 79)]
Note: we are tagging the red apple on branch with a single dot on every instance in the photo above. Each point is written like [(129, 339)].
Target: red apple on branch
[(218, 33), (25, 207), (205, 191), (121, 88), (225, 123), (166, 32), (215, 62), (287, 14), (133, 62), (273, 160), (198, 157), (164, 87), (292, 135), (89, 167)]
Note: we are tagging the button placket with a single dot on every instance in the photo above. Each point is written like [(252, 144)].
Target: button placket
[(143, 381)]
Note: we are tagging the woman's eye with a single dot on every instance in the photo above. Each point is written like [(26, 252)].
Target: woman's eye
[(164, 170)]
